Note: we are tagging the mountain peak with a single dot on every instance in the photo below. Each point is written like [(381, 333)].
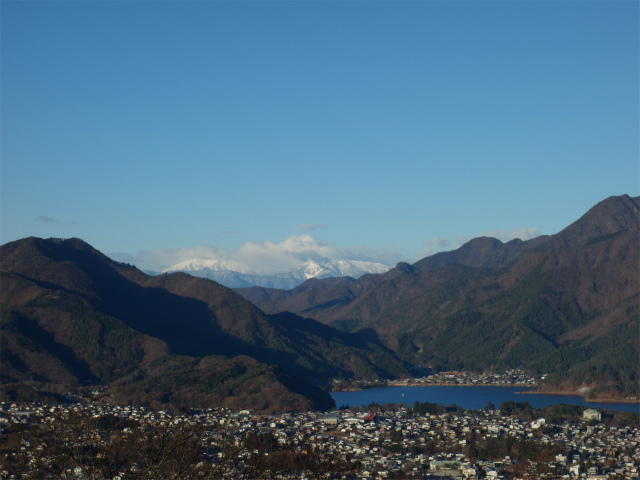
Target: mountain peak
[(609, 216), (197, 264), (236, 275)]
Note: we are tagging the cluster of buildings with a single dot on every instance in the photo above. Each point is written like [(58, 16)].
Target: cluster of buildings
[(393, 443), (514, 378), (588, 449)]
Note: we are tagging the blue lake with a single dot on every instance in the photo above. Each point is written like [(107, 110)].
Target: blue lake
[(472, 398)]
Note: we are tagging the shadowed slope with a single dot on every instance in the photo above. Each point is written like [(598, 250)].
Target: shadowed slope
[(96, 319)]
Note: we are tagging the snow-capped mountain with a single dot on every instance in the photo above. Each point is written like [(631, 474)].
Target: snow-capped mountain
[(198, 264), (236, 275), (339, 268)]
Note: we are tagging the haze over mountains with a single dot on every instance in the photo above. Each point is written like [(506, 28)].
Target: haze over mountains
[(235, 275), (565, 304)]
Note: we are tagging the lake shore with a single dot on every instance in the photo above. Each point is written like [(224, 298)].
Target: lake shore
[(583, 395), (450, 384), (630, 400), (422, 384)]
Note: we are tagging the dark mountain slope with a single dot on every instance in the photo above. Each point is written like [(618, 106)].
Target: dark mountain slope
[(94, 319), (311, 292), (559, 292), (570, 312), (51, 335), (75, 268)]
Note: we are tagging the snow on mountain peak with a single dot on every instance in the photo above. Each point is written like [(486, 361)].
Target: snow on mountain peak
[(197, 264), (234, 274)]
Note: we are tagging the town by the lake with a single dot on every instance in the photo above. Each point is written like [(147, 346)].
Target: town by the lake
[(80, 440), (515, 377)]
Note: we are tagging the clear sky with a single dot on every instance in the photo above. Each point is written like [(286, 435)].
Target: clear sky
[(372, 129)]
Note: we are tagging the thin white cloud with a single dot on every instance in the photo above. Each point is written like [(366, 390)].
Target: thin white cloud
[(266, 257), (307, 227), (438, 242), (460, 240), (435, 245), (45, 219), (424, 253)]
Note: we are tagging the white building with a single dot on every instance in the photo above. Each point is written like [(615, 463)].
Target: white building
[(591, 414)]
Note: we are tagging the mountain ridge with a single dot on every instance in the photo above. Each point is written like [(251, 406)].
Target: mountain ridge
[(550, 303), (236, 275), (487, 251), (71, 314), (564, 304)]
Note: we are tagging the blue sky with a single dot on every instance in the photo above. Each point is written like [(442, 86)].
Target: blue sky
[(378, 130)]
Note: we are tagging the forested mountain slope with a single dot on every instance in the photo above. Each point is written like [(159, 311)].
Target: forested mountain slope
[(70, 314), (565, 304)]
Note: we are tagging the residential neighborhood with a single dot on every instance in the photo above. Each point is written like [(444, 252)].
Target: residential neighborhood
[(374, 443)]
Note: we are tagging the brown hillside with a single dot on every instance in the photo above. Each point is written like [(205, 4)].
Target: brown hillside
[(70, 314), (555, 304)]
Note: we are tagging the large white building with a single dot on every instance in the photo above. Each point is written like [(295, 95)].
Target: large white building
[(591, 414)]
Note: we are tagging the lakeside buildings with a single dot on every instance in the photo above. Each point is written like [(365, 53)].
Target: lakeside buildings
[(512, 378)]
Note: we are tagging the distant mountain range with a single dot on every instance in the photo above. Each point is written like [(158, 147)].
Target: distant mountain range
[(236, 275), (565, 304)]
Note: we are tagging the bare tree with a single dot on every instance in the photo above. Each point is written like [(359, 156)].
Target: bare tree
[(76, 444)]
